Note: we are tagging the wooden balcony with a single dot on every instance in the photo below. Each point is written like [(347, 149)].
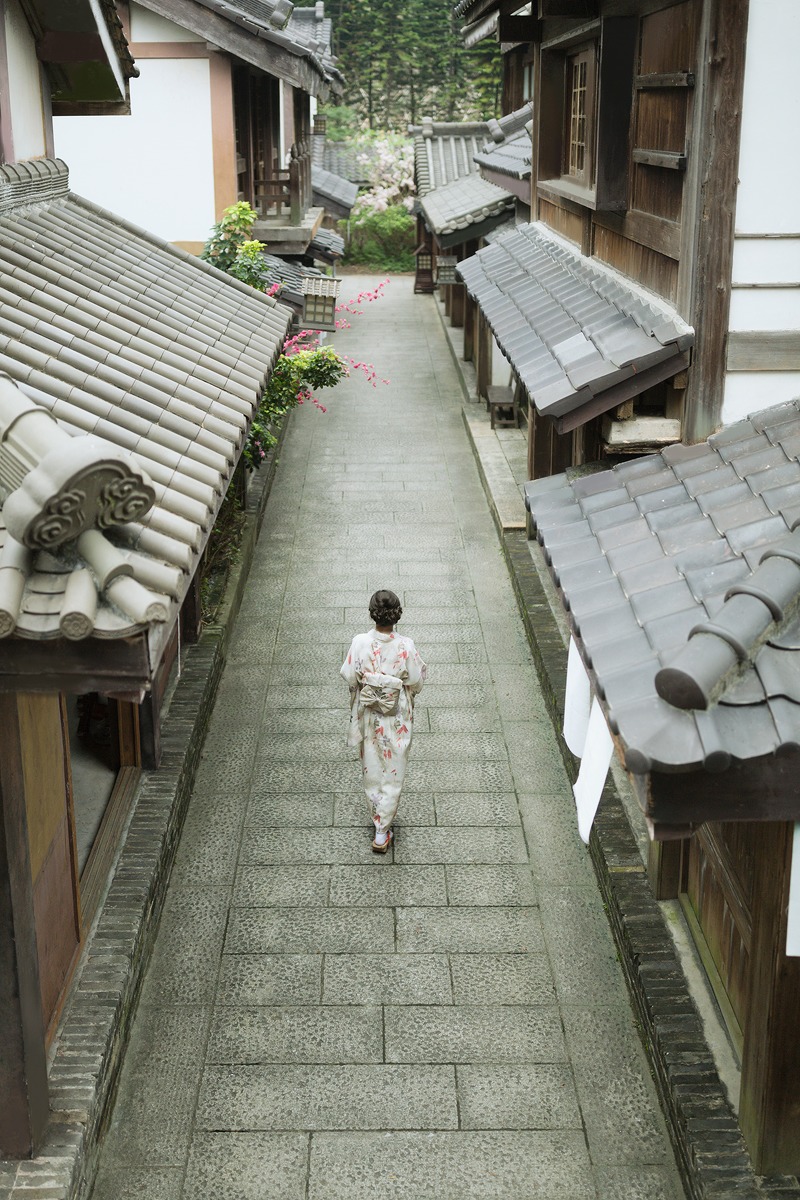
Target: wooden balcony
[(287, 219)]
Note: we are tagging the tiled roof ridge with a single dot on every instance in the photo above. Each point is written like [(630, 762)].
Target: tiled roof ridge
[(32, 181), (61, 492), (118, 334), (430, 128), (681, 572), (501, 128), (716, 649), (271, 31), (512, 156)]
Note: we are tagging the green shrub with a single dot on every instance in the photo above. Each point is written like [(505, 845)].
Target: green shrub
[(383, 239), (228, 235)]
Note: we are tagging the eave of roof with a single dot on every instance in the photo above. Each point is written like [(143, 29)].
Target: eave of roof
[(679, 567), (116, 333), (580, 337), (331, 187), (453, 212), (262, 43), (511, 157), (85, 54)]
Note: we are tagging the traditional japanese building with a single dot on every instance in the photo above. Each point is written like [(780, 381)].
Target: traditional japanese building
[(652, 154), (237, 82), (680, 575)]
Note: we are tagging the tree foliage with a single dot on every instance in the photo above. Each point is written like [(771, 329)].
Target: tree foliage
[(405, 61)]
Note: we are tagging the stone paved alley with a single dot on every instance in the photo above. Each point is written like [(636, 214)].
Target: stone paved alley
[(449, 1021)]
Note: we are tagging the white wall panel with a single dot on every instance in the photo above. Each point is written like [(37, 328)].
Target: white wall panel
[(767, 260), (765, 308), (769, 164), (24, 85), (147, 27), (154, 167)]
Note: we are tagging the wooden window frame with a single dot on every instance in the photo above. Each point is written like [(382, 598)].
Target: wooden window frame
[(610, 46), (580, 106)]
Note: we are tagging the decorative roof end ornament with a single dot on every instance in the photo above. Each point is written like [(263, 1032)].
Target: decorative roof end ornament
[(53, 486)]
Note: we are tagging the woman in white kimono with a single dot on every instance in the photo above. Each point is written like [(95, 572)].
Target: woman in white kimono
[(384, 673)]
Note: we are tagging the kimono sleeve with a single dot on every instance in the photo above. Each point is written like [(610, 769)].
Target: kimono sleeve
[(348, 667), (416, 668)]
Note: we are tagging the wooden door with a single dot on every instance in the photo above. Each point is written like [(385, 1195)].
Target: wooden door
[(44, 741), (719, 905)]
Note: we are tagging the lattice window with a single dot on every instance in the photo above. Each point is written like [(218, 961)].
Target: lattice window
[(579, 116)]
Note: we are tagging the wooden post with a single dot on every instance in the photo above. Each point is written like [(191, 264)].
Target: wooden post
[(718, 114), (664, 868), (770, 1094), (24, 1102), (484, 364), (469, 329), (457, 294)]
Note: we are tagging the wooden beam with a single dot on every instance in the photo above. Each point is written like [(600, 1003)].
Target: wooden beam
[(634, 386), (770, 1091), (242, 43), (24, 1103), (6, 134), (93, 665), (646, 230), (521, 188), (568, 8), (666, 159), (718, 122), (773, 350)]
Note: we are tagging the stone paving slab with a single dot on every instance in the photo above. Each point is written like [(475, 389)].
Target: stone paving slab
[(396, 1096), (481, 1166), (445, 1021)]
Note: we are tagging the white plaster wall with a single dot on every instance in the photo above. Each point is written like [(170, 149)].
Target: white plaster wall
[(750, 391), (25, 86), (154, 167), (147, 27), (769, 164), (767, 207), (501, 367)]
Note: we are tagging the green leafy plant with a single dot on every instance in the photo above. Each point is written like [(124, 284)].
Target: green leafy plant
[(383, 239), (301, 371), (304, 367), (228, 235)]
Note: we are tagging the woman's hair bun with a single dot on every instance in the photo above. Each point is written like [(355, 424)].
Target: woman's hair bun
[(385, 608)]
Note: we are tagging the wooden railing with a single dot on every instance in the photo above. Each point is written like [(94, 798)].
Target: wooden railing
[(288, 188)]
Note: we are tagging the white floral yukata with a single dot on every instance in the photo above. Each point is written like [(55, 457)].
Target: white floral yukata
[(384, 672)]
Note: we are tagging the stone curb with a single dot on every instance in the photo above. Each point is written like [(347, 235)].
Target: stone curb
[(709, 1148), (90, 1045)]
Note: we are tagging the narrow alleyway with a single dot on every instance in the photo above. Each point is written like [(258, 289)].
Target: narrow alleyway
[(447, 1022)]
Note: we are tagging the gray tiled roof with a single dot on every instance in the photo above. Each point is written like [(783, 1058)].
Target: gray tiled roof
[(289, 275), (311, 27), (119, 334), (682, 575), (334, 188), (456, 208), (444, 151), (326, 245), (501, 229), (571, 328), (269, 20), (350, 162), (512, 156)]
